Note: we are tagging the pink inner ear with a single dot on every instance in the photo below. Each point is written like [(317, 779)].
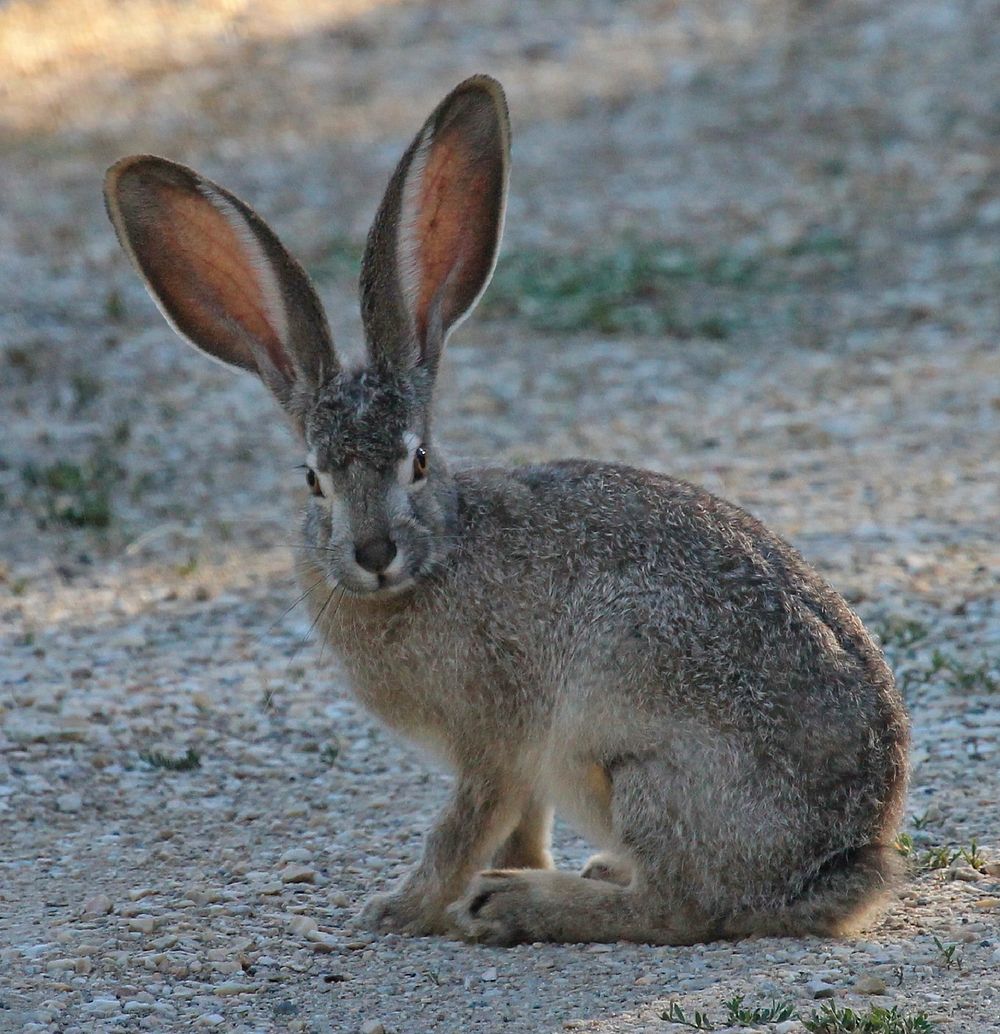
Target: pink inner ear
[(211, 277), (454, 233)]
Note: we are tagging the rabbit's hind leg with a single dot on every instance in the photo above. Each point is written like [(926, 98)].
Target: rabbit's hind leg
[(527, 847), (624, 805), (609, 867)]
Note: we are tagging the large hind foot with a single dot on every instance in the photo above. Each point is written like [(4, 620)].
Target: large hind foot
[(512, 906), (608, 868)]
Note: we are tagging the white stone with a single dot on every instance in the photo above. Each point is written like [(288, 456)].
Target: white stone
[(102, 1007), (303, 925), (98, 905), (296, 854), (295, 873)]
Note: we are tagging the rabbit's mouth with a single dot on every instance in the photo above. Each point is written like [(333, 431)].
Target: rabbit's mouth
[(378, 586)]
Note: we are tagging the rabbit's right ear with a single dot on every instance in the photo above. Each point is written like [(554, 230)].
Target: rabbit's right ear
[(434, 242), (219, 274)]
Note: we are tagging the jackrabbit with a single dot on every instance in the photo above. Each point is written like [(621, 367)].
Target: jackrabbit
[(607, 641)]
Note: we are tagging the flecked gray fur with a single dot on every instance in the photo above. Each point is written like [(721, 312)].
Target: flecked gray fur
[(616, 644)]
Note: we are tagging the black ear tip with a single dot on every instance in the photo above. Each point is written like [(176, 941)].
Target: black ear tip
[(485, 83), (137, 171), (486, 87), (479, 106)]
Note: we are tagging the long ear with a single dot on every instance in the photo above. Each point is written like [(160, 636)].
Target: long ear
[(433, 245), (219, 274)]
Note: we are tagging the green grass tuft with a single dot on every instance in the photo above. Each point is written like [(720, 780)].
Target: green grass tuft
[(635, 289), (76, 494), (834, 1020), (741, 1016), (187, 762)]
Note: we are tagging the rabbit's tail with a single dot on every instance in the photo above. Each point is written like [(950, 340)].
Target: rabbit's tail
[(837, 900)]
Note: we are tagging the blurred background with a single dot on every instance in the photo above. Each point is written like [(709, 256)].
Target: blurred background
[(753, 243), (747, 241)]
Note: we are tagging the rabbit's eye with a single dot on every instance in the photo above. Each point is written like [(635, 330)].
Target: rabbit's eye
[(313, 482), (419, 463)]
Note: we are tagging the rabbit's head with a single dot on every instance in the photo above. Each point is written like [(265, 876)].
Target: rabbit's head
[(382, 499)]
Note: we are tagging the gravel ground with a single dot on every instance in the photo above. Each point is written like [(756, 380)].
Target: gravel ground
[(846, 149)]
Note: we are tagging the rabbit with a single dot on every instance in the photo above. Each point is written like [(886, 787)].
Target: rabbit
[(606, 641)]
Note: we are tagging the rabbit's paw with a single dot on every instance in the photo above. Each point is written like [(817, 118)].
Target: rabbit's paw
[(402, 912), (498, 908)]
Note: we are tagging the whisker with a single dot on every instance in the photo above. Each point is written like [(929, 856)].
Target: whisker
[(302, 642), (333, 614), (281, 617)]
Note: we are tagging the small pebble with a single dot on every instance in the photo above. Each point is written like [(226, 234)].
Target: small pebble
[(295, 873), (102, 1007), (868, 984), (303, 925), (98, 905), (233, 988)]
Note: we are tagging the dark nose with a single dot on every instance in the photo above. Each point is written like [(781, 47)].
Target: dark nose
[(375, 555)]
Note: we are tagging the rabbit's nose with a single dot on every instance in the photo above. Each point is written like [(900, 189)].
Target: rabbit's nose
[(375, 555)]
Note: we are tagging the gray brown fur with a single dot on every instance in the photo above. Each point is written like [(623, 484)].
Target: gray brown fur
[(623, 647)]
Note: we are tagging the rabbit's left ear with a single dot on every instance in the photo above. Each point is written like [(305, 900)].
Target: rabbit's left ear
[(434, 242)]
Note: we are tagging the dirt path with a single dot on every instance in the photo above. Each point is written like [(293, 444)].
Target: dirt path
[(770, 235)]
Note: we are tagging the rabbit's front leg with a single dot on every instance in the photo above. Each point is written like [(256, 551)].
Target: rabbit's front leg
[(481, 814)]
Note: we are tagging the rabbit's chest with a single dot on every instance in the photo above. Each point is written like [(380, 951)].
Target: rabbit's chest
[(399, 671)]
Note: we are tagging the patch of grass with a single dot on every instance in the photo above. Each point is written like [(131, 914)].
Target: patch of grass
[(904, 844), (329, 754), (948, 954), (937, 858), (834, 1020), (957, 674), (77, 494), (973, 855), (740, 1015), (984, 678), (675, 1014), (634, 289), (187, 762), (921, 822), (899, 633)]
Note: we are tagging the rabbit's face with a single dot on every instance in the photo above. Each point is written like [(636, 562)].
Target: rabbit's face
[(378, 513)]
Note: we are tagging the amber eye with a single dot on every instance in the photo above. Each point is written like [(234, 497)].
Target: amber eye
[(313, 482), (419, 463)]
